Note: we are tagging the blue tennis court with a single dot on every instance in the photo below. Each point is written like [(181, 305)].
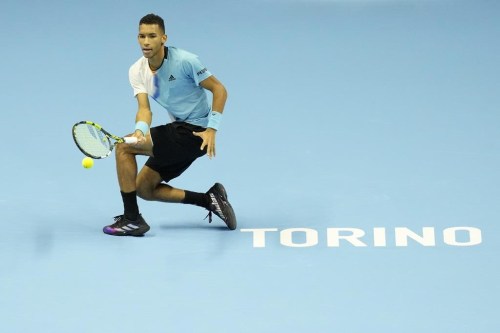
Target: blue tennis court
[(360, 148)]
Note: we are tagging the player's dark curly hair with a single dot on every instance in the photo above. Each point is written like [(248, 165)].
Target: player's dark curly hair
[(153, 19)]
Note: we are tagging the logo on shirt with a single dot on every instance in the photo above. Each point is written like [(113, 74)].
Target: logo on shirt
[(202, 71), (171, 78)]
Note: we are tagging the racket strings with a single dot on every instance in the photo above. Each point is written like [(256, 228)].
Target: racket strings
[(92, 140)]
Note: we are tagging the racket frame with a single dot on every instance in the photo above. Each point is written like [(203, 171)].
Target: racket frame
[(108, 136)]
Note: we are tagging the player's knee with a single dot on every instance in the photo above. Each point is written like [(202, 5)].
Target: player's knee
[(144, 193), (120, 150), (144, 190)]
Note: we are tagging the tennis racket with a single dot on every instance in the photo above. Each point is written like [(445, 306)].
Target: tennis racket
[(96, 142)]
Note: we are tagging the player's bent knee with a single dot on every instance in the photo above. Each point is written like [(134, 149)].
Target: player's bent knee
[(121, 149), (144, 193), (144, 189)]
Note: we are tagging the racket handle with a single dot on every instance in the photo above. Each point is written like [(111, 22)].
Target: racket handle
[(130, 139)]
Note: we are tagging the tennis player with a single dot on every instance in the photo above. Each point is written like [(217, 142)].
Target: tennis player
[(177, 80)]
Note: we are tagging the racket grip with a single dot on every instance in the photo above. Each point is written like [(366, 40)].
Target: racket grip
[(130, 139)]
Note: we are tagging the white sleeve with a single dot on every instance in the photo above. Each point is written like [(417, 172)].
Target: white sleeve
[(136, 80)]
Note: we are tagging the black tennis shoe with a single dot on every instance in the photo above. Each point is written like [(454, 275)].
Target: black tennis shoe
[(220, 206), (126, 227)]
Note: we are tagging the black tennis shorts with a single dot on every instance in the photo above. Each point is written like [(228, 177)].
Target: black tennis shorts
[(174, 148)]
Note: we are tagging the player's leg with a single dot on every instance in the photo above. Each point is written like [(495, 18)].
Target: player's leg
[(175, 149), (150, 187), (126, 167), (126, 164), (131, 222), (215, 199)]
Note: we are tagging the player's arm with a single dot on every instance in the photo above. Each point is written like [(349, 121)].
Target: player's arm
[(219, 97), (218, 91), (144, 114)]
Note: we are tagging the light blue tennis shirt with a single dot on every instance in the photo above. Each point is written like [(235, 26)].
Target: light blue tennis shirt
[(175, 85)]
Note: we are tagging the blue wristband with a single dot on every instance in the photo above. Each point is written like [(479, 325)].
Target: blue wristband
[(142, 126), (214, 120)]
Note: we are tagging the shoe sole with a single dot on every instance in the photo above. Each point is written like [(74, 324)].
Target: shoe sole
[(232, 217), (135, 233)]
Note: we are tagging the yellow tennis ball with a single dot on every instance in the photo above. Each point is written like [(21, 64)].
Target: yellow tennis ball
[(87, 163)]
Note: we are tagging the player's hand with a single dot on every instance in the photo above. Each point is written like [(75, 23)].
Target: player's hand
[(208, 137), (141, 138)]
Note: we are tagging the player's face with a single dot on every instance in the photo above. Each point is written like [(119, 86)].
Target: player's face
[(151, 39)]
